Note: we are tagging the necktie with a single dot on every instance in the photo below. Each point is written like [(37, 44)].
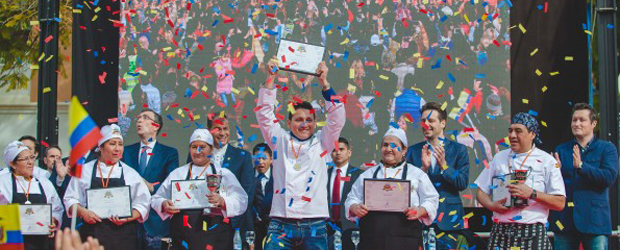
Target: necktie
[(260, 182), (260, 196), (336, 197), (143, 162)]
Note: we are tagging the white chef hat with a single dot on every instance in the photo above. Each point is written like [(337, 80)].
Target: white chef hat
[(201, 134), (398, 133), (109, 132), (12, 151)]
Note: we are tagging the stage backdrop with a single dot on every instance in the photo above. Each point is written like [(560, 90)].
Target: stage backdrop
[(192, 60)]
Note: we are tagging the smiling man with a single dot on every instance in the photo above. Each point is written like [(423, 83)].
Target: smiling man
[(589, 167), (522, 226), (299, 206)]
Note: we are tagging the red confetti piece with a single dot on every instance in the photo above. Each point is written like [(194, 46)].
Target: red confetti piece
[(304, 198), (283, 59), (467, 196), (40, 224), (178, 187), (145, 105), (440, 217), (189, 6), (164, 134), (449, 58), (496, 43), (292, 50), (270, 15), (209, 247), (466, 223), (360, 4), (112, 120), (49, 38), (45, 144), (186, 221), (187, 195), (282, 236), (324, 153), (226, 220)]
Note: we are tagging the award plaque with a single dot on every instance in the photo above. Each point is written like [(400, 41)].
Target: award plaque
[(190, 194), (387, 195), (299, 57), (35, 219), (108, 202), (499, 189)]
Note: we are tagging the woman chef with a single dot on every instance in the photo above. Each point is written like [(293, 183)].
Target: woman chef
[(19, 186), (192, 228), (106, 172), (394, 230)]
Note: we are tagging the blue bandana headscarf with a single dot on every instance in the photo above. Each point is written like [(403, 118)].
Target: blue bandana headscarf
[(529, 122)]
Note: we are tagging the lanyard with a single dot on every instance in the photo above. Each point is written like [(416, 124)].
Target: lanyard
[(191, 165), (523, 162), (26, 192), (385, 172), (296, 154), (105, 185)]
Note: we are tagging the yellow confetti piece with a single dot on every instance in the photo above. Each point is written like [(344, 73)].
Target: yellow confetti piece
[(484, 16), (452, 137), (142, 72), (515, 248), (204, 226), (384, 77), (41, 57), (291, 109), (440, 235), (588, 32), (34, 66), (49, 58), (329, 32), (351, 73), (234, 90), (420, 63), (526, 101), (246, 45), (534, 52), (196, 117), (469, 215), (280, 243), (204, 88), (251, 91), (538, 72), (399, 186), (179, 112), (554, 73), (417, 89), (321, 124), (466, 19), (77, 11), (452, 237), (543, 123), (523, 30), (97, 9), (439, 85), (170, 54), (351, 88), (222, 114), (34, 23), (568, 58), (544, 89), (559, 224), (444, 105), (398, 93), (94, 18), (442, 199), (453, 212), (20, 116), (570, 204), (47, 89), (166, 49), (345, 41)]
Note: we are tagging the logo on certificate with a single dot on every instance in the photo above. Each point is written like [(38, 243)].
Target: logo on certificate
[(301, 49), (388, 187), (29, 211), (108, 195), (192, 186)]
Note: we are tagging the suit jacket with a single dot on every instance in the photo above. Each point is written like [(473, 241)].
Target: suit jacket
[(66, 221), (262, 207), (163, 161), (354, 173), (587, 188), (448, 184)]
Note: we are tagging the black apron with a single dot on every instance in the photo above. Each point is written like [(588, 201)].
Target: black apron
[(218, 234), (389, 230), (109, 234), (32, 241)]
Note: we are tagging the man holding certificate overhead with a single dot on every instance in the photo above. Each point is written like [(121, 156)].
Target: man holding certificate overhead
[(299, 204), (40, 207), (520, 185), (200, 199), (111, 197), (391, 199)]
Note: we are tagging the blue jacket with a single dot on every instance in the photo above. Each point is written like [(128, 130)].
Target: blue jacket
[(262, 208), (587, 188), (163, 161), (448, 184)]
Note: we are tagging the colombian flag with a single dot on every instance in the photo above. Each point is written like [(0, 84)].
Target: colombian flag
[(10, 230), (83, 136)]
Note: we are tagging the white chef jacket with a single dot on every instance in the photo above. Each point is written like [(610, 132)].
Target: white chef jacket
[(6, 192), (545, 177), (423, 193), (235, 197), (299, 194), (140, 195)]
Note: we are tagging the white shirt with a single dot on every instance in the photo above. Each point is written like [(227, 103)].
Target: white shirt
[(149, 151), (423, 193), (6, 192), (299, 193), (544, 177), (263, 181), (36, 172), (343, 173), (140, 195), (235, 197), (218, 155)]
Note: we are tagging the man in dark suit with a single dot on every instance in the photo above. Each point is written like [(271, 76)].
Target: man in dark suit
[(589, 167), (341, 177), (59, 175), (264, 192), (153, 161), (447, 165), (239, 162)]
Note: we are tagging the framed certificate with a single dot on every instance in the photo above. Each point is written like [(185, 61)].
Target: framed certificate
[(299, 57), (190, 194), (387, 195), (499, 189), (108, 202), (35, 219)]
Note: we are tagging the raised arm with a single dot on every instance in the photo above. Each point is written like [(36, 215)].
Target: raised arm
[(336, 116), (265, 115)]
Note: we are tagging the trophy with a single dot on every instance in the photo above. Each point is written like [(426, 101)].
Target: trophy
[(520, 176), (214, 181)]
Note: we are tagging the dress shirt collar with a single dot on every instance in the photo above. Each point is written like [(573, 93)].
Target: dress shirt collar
[(587, 145), (221, 150), (151, 144), (343, 169), (267, 174)]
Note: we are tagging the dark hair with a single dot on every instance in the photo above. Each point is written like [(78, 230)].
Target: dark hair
[(51, 147), (211, 121), (345, 141), (436, 107), (158, 119), (302, 105), (265, 148), (31, 138), (585, 106)]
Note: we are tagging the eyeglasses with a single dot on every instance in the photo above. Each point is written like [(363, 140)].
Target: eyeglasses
[(145, 117), (31, 158)]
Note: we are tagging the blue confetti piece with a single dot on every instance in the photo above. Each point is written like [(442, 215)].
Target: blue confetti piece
[(273, 7), (96, 2), (169, 117), (79, 6), (214, 23), (509, 3), (307, 189), (331, 163), (102, 62), (313, 234), (212, 227), (610, 26), (338, 65), (254, 68), (96, 53), (437, 65), (58, 20), (451, 77), (18, 60), (231, 5), (484, 220), (216, 10), (290, 203), (188, 92), (454, 218), (283, 190), (473, 186), (328, 27), (516, 218), (395, 125), (437, 184), (477, 161), (444, 18), (480, 76), (271, 32), (252, 138), (309, 179), (370, 104), (188, 125), (346, 56), (540, 6), (392, 145), (185, 245), (275, 155), (484, 4), (532, 112), (274, 140), (482, 58), (189, 52)]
